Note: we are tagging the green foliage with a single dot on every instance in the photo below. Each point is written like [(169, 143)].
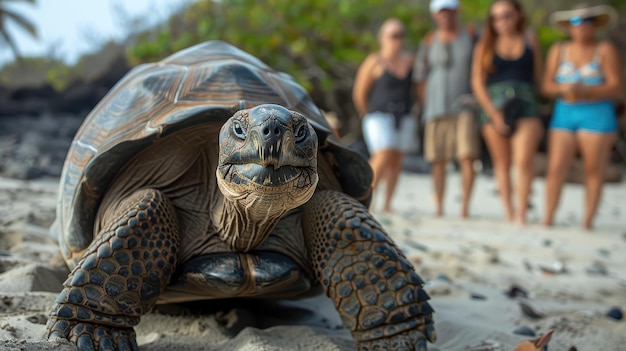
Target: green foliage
[(35, 71), (319, 42), (475, 10), (59, 76), (547, 35), (620, 5)]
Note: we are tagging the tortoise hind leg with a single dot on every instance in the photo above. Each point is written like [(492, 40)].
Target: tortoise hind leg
[(123, 271), (373, 286)]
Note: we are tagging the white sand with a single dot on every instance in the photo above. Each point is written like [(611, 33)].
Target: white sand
[(468, 264)]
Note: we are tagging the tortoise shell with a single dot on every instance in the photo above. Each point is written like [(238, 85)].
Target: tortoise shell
[(208, 82)]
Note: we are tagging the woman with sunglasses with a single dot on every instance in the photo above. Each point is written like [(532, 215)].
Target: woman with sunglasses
[(585, 76), (505, 69), (382, 96)]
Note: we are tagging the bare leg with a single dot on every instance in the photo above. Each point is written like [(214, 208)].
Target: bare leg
[(467, 182), (466, 151), (500, 151), (395, 168), (561, 152), (595, 149), (373, 286), (376, 162), (379, 161), (524, 143), (438, 173)]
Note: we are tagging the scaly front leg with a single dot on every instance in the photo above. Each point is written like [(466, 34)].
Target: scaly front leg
[(120, 276), (373, 286)]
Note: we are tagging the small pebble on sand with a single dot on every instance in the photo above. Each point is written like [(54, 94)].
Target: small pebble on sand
[(476, 296), (524, 330), (615, 313), (516, 291)]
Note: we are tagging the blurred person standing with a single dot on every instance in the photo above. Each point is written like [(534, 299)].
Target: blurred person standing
[(382, 96), (442, 75), (585, 75), (506, 70)]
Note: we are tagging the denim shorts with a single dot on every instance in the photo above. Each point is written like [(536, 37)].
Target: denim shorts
[(596, 116), (380, 132)]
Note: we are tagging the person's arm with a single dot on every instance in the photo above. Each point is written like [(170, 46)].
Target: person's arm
[(613, 73), (549, 86), (479, 88), (363, 84), (420, 73), (478, 79)]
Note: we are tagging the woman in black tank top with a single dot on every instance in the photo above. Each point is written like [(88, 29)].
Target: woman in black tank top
[(391, 94), (505, 69), (382, 96)]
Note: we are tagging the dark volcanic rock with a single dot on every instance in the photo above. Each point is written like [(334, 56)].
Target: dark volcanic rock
[(26, 100), (78, 98), (26, 93), (37, 124), (32, 147)]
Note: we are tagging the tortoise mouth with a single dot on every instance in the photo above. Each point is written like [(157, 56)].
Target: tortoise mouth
[(246, 174)]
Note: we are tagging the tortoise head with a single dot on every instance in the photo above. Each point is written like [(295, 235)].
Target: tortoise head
[(267, 160)]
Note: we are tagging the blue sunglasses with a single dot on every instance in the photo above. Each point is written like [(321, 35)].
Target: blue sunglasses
[(578, 21)]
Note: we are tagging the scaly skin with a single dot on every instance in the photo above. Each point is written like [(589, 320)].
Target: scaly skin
[(124, 270), (373, 286)]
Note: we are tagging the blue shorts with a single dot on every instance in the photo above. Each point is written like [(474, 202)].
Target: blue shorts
[(380, 132), (597, 116)]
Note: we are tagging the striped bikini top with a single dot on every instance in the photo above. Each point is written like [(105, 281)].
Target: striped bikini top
[(587, 74)]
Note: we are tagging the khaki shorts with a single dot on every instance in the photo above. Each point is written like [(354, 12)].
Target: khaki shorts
[(451, 137)]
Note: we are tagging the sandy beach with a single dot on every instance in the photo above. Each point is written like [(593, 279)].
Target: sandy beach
[(492, 284)]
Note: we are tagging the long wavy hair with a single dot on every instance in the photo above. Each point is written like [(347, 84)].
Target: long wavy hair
[(490, 35)]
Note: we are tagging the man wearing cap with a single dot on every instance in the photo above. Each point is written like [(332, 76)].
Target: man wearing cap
[(442, 75)]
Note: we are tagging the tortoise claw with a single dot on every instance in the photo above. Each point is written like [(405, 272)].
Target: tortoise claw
[(92, 337)]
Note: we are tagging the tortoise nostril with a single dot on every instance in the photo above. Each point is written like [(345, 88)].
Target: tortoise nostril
[(271, 130)]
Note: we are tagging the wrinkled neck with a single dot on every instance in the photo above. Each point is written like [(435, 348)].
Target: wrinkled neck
[(245, 223)]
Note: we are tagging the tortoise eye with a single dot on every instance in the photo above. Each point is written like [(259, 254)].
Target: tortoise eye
[(301, 133), (239, 131)]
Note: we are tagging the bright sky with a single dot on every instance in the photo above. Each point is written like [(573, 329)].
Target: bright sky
[(68, 28)]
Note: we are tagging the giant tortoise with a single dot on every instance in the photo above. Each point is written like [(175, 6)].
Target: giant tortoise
[(209, 175)]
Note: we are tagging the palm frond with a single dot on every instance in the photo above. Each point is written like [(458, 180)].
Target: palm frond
[(7, 1), (22, 21), (7, 38)]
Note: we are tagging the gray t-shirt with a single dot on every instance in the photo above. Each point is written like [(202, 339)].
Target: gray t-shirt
[(446, 72)]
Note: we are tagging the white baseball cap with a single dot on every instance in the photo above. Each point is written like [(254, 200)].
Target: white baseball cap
[(438, 5)]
